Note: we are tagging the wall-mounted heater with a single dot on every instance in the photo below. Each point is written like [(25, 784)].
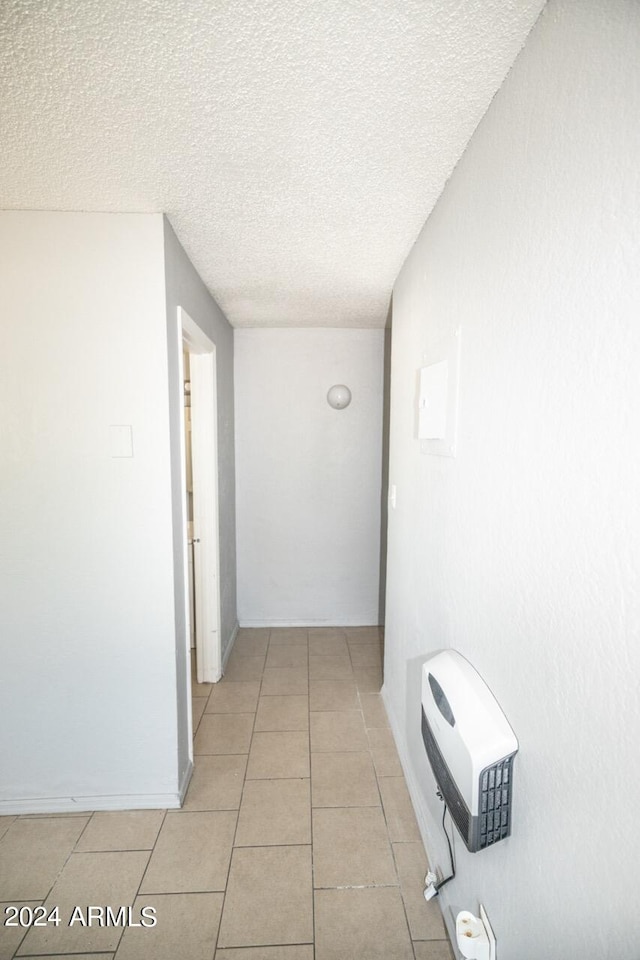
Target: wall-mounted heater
[(471, 748)]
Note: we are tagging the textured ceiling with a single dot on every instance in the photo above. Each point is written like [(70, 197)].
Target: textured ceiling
[(297, 146)]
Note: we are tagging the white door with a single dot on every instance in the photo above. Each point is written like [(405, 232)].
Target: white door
[(204, 465)]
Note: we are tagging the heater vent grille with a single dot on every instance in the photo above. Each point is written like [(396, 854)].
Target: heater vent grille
[(457, 807)]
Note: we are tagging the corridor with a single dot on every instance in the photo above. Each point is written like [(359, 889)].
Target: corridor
[(297, 839)]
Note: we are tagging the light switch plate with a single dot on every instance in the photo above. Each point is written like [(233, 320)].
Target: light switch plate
[(120, 440), (442, 364)]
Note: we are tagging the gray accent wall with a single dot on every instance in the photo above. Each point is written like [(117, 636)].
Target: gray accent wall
[(185, 289)]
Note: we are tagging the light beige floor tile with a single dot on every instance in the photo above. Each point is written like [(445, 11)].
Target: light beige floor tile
[(5, 823), (333, 695), (192, 853), (221, 733), (364, 635), (216, 783), (365, 655), (299, 951), (288, 635), (274, 813), (11, 937), (243, 668), (121, 830), (351, 848), (361, 925), (283, 713), (104, 879), (327, 633), (283, 755), (287, 655), (338, 732), (197, 708), (249, 645), (343, 780), (269, 897), (372, 643), (330, 668), (368, 680), (398, 810), (384, 753), (32, 853), (433, 950), (328, 646), (285, 681), (373, 710), (187, 926), (425, 917), (238, 697), (253, 632)]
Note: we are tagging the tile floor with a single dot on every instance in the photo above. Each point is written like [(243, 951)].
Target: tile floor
[(297, 840)]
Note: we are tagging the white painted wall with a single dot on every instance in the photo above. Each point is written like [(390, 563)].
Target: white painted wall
[(87, 637), (523, 553), (309, 476)]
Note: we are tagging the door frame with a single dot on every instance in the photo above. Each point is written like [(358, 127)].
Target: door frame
[(204, 457)]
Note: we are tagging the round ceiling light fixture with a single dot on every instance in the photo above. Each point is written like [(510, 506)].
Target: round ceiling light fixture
[(339, 396)]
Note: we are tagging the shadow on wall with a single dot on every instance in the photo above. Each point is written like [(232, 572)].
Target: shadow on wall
[(420, 779), (384, 492)]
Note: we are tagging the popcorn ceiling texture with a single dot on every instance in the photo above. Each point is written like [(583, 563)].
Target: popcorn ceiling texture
[(296, 147)]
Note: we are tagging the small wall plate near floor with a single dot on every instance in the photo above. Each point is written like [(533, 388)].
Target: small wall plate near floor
[(490, 934), (474, 936)]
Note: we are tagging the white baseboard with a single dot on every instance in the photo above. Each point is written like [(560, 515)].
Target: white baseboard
[(186, 779), (137, 801), (364, 621), (232, 640)]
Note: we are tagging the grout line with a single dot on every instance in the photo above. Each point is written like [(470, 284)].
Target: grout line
[(344, 806), (402, 900), (70, 854), (82, 853), (176, 893), (362, 886), (276, 779), (270, 846), (259, 947), (56, 815), (26, 929), (244, 781), (76, 953), (313, 895), (144, 872)]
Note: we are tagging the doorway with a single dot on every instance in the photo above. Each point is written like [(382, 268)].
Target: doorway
[(200, 498)]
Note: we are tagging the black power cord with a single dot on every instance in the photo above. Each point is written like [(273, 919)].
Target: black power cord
[(434, 889), (451, 860)]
